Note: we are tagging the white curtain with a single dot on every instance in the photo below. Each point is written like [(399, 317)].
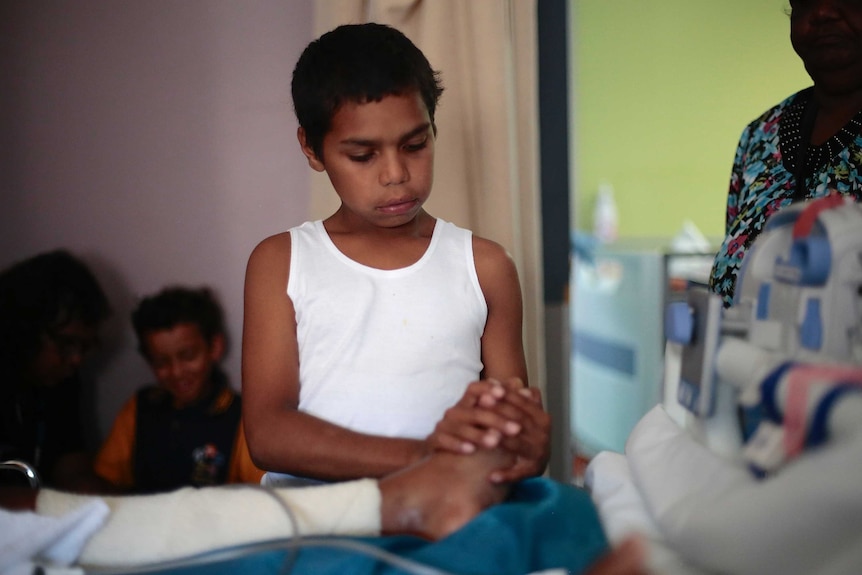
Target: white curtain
[(487, 160)]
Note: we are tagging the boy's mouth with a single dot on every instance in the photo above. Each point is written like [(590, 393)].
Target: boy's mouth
[(398, 206)]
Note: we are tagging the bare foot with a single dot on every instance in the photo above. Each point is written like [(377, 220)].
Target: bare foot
[(441, 493)]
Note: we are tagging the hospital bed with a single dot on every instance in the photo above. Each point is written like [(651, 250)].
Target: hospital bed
[(753, 464)]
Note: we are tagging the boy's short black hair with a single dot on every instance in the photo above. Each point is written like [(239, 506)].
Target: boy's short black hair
[(357, 63), (42, 294), (176, 305)]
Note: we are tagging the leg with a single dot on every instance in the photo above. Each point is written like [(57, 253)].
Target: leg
[(441, 493), (432, 499)]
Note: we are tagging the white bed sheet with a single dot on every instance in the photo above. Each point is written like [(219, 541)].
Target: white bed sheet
[(623, 513)]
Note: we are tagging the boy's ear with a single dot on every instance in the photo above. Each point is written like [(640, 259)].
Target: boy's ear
[(313, 161), (217, 347)]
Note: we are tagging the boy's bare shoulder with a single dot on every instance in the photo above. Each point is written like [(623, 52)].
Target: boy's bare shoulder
[(498, 276), (274, 244), (489, 251), (493, 263), (273, 250)]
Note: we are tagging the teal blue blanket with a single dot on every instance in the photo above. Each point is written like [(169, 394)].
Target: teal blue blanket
[(543, 525)]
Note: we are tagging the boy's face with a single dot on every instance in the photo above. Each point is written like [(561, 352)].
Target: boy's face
[(379, 156), (183, 360)]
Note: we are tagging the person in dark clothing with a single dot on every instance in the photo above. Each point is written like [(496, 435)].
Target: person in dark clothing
[(51, 308), (185, 429)]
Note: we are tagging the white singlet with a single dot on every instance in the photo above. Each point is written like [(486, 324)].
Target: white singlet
[(385, 352)]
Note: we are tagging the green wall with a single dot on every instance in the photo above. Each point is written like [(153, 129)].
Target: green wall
[(661, 92)]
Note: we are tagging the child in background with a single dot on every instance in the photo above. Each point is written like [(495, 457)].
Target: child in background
[(362, 330), (51, 309), (186, 429)]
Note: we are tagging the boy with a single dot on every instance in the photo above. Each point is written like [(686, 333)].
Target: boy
[(186, 429), (363, 329)]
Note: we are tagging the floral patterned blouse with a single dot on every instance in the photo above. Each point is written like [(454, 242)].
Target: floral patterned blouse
[(763, 179)]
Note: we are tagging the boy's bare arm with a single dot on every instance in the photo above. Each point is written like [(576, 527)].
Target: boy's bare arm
[(502, 341), (281, 438), (503, 359)]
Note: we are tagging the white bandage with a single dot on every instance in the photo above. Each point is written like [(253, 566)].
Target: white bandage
[(147, 528)]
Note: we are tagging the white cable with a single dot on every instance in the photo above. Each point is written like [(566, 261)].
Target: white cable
[(290, 544)]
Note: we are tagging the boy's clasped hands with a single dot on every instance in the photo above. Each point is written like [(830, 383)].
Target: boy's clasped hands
[(494, 414)]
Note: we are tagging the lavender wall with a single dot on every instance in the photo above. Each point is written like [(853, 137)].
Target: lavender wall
[(155, 140)]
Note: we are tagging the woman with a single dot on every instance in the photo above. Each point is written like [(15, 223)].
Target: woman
[(808, 145), (51, 307)]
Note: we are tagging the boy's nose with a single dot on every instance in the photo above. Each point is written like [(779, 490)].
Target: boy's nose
[(170, 371), (393, 170), (176, 370)]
